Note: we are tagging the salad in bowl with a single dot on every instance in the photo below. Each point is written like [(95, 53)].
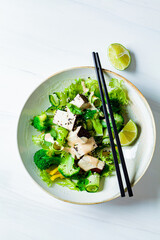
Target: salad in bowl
[(73, 138), (63, 140)]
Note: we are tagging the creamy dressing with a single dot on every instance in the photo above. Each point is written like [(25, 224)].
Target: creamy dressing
[(48, 138)]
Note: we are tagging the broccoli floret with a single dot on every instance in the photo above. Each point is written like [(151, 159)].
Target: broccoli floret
[(67, 168), (39, 121), (42, 122), (44, 160)]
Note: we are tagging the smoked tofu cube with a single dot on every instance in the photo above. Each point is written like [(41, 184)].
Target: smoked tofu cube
[(80, 135), (70, 150), (84, 148), (80, 101), (88, 162), (64, 119)]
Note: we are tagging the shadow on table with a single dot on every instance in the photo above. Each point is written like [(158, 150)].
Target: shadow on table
[(132, 66), (148, 188)]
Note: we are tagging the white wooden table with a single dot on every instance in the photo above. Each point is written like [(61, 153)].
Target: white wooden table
[(37, 39)]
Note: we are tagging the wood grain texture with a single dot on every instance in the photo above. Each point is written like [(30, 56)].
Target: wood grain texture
[(37, 39)]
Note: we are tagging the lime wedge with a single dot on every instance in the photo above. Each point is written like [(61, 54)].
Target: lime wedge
[(119, 56), (128, 134)]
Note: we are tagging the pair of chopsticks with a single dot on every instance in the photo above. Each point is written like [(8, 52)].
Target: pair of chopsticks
[(101, 81)]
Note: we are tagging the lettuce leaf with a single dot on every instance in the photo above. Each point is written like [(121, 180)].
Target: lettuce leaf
[(82, 183), (118, 93), (93, 86), (97, 126), (46, 177), (65, 182), (74, 109), (74, 89), (60, 99), (38, 140), (59, 134), (89, 114), (94, 117)]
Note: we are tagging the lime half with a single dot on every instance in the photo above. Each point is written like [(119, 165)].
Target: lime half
[(128, 134), (119, 56)]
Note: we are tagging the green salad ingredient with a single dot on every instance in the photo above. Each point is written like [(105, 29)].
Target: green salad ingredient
[(74, 146)]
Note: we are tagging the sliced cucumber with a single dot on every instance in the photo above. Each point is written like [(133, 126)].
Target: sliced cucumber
[(54, 100), (93, 184)]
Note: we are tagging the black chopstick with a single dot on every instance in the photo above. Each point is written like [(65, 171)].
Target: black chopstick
[(109, 130), (99, 69), (114, 127)]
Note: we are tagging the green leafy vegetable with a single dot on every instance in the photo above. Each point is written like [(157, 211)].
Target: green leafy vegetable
[(62, 98), (97, 126), (115, 104), (82, 180), (65, 182), (118, 93), (55, 149), (115, 83), (81, 184), (55, 154), (74, 89), (59, 134), (105, 154), (94, 117), (89, 114), (93, 86), (46, 177), (89, 124), (74, 109), (107, 171), (38, 140)]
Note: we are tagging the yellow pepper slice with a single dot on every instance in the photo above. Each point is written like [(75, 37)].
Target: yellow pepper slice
[(56, 176), (52, 172)]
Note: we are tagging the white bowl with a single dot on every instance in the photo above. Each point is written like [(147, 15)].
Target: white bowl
[(138, 156)]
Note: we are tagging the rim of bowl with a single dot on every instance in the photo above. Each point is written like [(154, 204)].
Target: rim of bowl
[(146, 104)]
